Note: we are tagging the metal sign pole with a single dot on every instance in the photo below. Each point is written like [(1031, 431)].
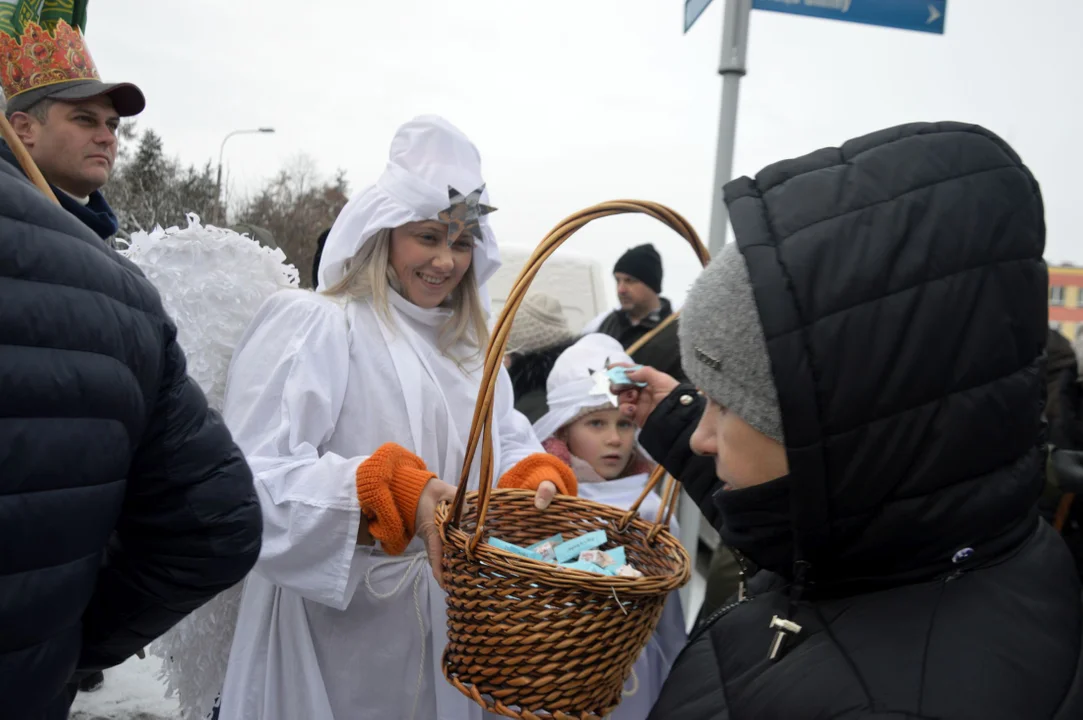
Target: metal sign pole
[(732, 69)]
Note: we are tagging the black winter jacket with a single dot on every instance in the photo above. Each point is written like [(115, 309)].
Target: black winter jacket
[(124, 503), (901, 288), (662, 352)]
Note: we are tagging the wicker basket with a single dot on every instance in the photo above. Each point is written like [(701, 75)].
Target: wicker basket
[(527, 639)]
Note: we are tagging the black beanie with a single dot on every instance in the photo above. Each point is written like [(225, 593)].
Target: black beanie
[(644, 264)]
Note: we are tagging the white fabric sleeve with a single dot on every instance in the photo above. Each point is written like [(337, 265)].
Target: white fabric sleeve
[(286, 387), (517, 439)]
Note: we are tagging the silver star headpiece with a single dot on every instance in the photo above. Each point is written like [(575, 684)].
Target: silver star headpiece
[(603, 384), (464, 213)]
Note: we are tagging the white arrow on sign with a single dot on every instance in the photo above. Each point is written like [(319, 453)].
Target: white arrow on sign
[(934, 14)]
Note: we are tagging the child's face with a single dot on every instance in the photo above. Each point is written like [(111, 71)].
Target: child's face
[(605, 440)]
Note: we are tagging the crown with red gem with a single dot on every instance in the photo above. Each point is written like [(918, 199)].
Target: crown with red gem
[(39, 58)]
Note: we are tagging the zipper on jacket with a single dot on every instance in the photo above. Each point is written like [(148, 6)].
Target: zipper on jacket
[(742, 598), (714, 617)]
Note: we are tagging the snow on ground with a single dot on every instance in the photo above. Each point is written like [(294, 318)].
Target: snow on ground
[(132, 691)]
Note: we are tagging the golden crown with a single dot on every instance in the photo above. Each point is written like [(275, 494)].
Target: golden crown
[(41, 58)]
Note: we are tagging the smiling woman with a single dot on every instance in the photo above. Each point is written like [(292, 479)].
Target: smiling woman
[(428, 268), (416, 262), (352, 405)]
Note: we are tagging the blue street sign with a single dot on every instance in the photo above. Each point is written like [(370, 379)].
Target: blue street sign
[(692, 10), (919, 15)]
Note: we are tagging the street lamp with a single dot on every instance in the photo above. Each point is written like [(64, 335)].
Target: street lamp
[(221, 151)]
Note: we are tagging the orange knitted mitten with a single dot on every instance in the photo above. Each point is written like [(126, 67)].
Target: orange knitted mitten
[(533, 470), (389, 486)]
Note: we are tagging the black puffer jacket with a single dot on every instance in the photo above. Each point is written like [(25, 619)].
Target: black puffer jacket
[(124, 503), (902, 291), (662, 351)]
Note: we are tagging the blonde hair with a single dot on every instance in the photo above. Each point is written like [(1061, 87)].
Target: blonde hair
[(369, 275)]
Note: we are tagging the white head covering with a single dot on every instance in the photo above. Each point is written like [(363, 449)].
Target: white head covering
[(574, 387), (428, 155)]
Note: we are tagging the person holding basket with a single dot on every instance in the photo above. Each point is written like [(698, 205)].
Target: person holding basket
[(868, 433), (353, 406)]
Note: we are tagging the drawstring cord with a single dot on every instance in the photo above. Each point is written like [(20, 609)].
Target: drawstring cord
[(628, 693), (635, 686), (787, 628), (797, 588), (412, 561)]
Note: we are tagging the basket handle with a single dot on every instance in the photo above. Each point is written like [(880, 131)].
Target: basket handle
[(25, 161), (481, 425), (670, 493)]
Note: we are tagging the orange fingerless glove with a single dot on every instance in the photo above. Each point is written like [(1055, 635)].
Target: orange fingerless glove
[(533, 470), (389, 486)]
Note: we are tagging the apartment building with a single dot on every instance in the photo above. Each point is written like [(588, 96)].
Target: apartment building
[(1066, 299)]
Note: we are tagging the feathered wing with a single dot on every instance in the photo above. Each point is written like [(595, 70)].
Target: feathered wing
[(212, 281)]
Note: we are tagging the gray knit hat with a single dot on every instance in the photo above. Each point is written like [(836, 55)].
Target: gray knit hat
[(723, 349), (539, 323)]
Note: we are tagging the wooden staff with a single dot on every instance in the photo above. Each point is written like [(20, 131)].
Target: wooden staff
[(23, 156), (638, 344)]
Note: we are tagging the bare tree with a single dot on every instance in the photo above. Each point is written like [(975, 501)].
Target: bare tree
[(149, 188), (294, 207)]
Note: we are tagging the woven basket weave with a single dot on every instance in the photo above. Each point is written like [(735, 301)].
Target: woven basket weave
[(527, 639)]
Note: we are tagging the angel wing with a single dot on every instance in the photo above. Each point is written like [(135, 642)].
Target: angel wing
[(212, 281)]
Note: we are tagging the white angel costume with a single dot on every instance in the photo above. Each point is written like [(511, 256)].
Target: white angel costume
[(212, 281), (329, 630), (574, 388)]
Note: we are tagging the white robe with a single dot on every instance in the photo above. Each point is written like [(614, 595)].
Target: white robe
[(329, 630), (652, 667)]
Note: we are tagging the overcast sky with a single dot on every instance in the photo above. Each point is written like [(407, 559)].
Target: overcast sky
[(572, 102)]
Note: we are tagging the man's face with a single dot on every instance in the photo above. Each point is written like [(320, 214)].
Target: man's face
[(76, 146), (634, 296)]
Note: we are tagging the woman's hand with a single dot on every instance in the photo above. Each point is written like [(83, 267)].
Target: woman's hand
[(435, 492), (637, 403)]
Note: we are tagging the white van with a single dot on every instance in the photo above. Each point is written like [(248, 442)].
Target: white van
[(576, 281)]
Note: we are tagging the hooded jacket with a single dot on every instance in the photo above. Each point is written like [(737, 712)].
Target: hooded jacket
[(124, 503), (900, 284)]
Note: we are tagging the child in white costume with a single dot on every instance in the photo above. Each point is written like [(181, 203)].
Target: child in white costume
[(347, 404), (584, 428)]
